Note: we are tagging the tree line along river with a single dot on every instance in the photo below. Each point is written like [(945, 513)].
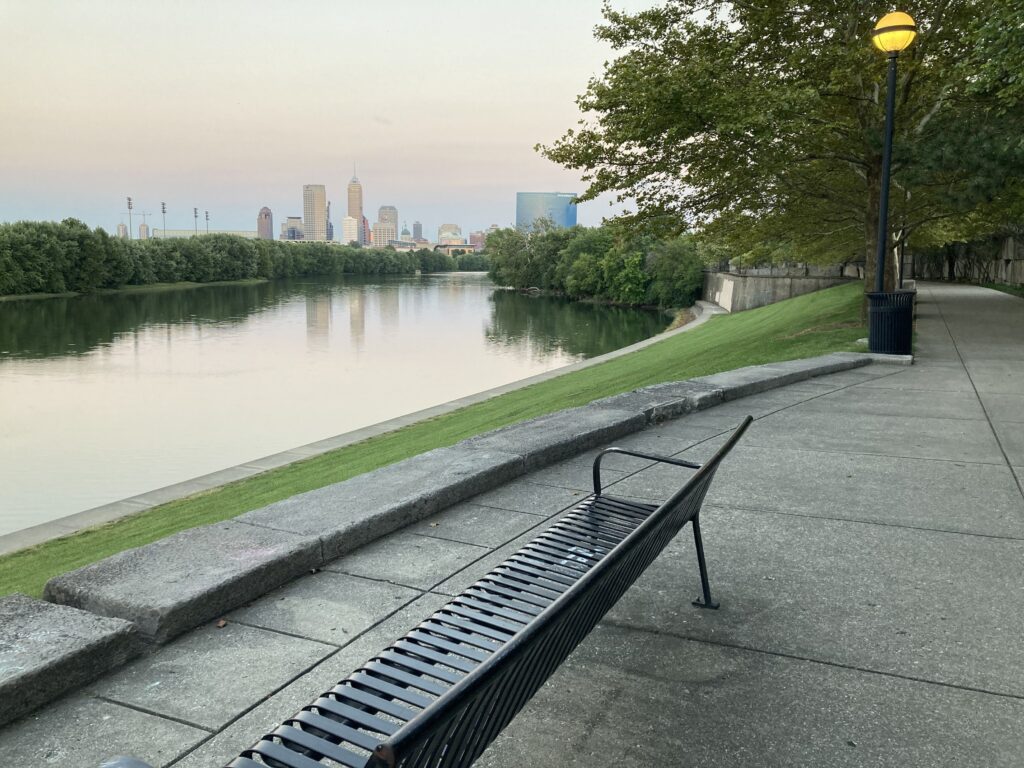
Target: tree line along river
[(108, 396)]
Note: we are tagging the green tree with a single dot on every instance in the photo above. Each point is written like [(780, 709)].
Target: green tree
[(763, 122)]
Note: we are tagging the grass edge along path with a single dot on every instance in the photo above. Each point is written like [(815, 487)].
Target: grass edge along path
[(806, 326)]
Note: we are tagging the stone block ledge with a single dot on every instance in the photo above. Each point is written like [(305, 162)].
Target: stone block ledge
[(176, 584), (47, 649)]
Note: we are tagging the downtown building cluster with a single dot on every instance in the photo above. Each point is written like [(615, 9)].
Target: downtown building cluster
[(316, 224)]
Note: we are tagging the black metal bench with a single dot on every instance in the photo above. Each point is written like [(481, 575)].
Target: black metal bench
[(441, 694)]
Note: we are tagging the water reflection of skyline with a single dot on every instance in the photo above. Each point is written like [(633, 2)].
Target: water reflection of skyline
[(173, 379)]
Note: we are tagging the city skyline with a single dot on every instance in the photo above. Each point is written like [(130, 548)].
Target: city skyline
[(197, 108)]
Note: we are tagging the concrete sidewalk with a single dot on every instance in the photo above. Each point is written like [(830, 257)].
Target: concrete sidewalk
[(865, 539)]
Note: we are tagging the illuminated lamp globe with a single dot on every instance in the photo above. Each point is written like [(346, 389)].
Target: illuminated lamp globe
[(894, 32)]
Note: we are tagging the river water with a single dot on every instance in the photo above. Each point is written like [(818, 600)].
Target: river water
[(105, 397)]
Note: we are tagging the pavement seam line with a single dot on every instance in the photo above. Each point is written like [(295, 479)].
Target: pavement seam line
[(154, 713), (860, 521), (812, 660), (981, 402)]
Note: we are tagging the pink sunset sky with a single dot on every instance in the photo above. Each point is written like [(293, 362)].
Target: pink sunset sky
[(229, 106)]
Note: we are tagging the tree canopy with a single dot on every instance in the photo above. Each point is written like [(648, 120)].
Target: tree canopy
[(763, 123)]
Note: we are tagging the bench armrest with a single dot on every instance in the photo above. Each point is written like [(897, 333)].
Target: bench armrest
[(638, 454)]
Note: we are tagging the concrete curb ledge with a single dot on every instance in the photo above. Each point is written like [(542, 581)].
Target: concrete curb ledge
[(349, 514), (47, 649), (178, 583)]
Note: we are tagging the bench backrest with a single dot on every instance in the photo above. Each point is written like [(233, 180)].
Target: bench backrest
[(456, 728)]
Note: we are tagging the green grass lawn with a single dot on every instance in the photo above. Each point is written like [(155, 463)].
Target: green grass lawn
[(1013, 290), (815, 324)]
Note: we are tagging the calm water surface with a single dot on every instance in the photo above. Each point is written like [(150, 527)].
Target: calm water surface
[(104, 397)]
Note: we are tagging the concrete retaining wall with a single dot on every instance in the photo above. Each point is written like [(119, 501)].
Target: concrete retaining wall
[(736, 293)]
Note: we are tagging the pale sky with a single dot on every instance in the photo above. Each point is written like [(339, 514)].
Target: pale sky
[(228, 106)]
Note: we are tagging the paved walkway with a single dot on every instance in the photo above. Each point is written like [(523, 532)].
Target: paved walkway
[(866, 541)]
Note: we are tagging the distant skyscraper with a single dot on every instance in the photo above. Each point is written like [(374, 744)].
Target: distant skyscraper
[(330, 226), (559, 207), (383, 233), (477, 239), (449, 234), (350, 230), (405, 233), (122, 231), (355, 204), (291, 228), (417, 231), (365, 230), (143, 231), (314, 212), (265, 224), (388, 214)]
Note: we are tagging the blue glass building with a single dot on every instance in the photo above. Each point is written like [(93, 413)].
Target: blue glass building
[(559, 207)]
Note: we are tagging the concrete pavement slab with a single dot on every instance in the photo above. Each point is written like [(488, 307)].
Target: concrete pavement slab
[(212, 675), (926, 377), (177, 583), (1001, 407), (997, 376), (82, 732), (919, 493), (927, 605), (327, 607), (244, 732), (900, 402), (628, 698), (404, 558), (473, 524), (578, 476), (1011, 438), (909, 436), (348, 514), (533, 499), (47, 650)]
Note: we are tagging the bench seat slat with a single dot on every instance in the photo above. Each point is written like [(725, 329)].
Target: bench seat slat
[(603, 536), (404, 677), (471, 626), (316, 744), (407, 645), (392, 656), (359, 716), (424, 638), (520, 570), (546, 566), (483, 620), (538, 595), (480, 643), (380, 704), (339, 731), (496, 605), (390, 689), (521, 601), (288, 757)]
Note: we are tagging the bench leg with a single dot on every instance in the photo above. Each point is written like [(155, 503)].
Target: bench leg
[(706, 601)]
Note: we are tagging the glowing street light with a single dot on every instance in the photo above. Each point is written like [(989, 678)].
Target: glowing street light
[(890, 315)]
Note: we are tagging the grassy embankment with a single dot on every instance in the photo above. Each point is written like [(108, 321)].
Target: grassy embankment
[(808, 325), (1013, 290)]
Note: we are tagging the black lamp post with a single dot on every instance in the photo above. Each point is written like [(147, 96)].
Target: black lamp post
[(890, 315)]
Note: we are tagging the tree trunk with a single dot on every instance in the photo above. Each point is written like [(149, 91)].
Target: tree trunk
[(872, 211)]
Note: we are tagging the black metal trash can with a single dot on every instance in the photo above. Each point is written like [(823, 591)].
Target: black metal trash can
[(891, 322)]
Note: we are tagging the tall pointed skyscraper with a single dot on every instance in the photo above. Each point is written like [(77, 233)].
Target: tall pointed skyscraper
[(355, 203)]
